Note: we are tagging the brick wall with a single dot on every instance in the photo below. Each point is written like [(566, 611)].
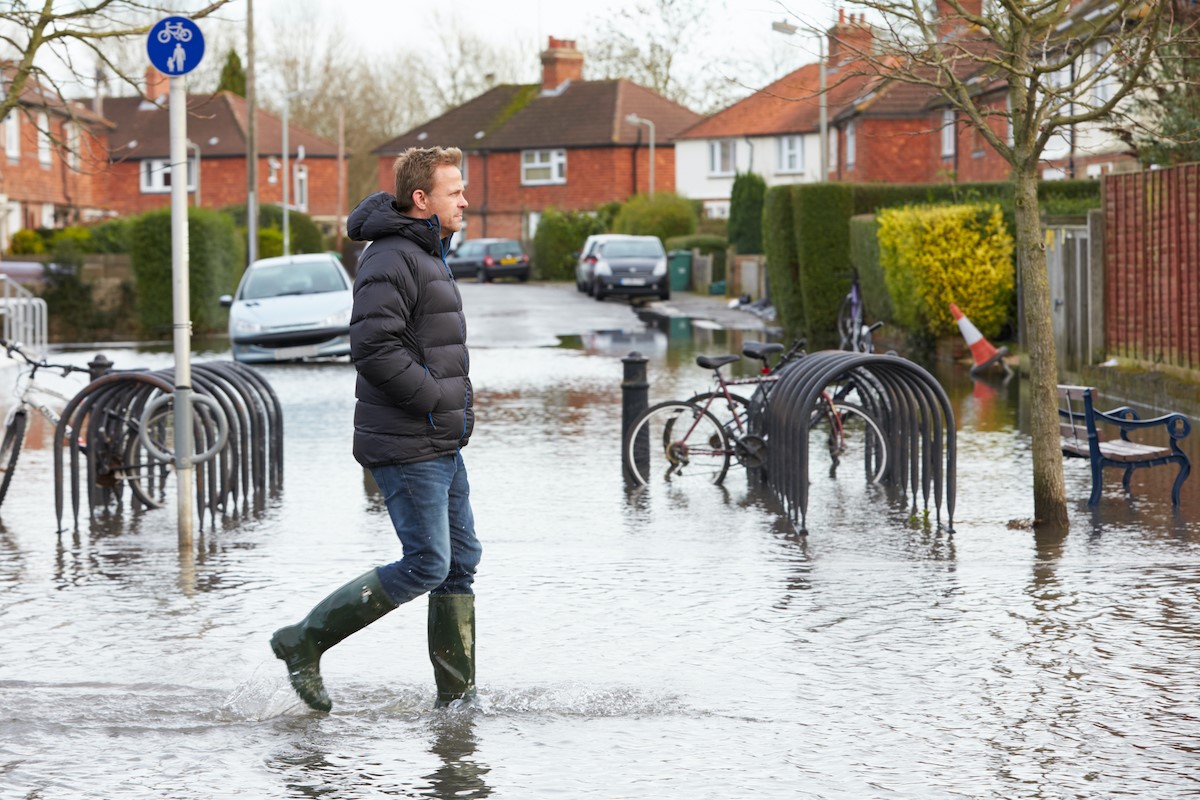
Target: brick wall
[(890, 150), (66, 181), (223, 183)]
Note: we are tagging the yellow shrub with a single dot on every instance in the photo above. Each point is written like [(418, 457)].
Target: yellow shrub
[(933, 256)]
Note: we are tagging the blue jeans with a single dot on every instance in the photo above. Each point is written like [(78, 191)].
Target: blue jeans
[(430, 506)]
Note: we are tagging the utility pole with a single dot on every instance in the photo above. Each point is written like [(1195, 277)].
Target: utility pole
[(251, 143)]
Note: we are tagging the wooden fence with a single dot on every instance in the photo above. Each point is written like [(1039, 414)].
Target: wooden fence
[(1152, 266)]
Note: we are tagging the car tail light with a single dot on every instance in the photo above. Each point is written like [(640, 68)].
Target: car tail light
[(488, 261), (524, 259), (591, 259)]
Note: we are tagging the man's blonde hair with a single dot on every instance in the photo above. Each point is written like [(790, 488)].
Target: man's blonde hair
[(414, 170)]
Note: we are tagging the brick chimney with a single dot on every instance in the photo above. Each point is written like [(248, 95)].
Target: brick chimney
[(560, 62), (848, 38), (949, 24), (158, 86)]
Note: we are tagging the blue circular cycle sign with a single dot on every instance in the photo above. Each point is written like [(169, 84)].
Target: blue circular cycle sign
[(175, 46)]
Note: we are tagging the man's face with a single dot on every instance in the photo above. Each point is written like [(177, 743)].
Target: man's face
[(446, 199)]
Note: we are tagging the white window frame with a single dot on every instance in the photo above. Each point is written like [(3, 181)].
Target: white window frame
[(949, 133), (722, 157), (47, 215), (12, 135), (790, 155), (851, 142), (74, 143), (463, 168), (154, 175), (552, 162), (1104, 85), (43, 139), (299, 198)]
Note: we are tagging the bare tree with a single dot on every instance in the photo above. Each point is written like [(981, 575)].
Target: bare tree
[(653, 43), (1020, 73), (60, 49)]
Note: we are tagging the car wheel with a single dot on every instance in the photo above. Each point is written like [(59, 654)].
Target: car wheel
[(597, 291), (479, 276), (665, 294), (590, 289), (524, 276)]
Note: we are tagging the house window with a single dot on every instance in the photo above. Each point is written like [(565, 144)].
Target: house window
[(722, 157), (791, 154), (74, 158), (949, 133), (1102, 88), (851, 143), (43, 139), (156, 175), (539, 167), (299, 187), (47, 220), (12, 135), (463, 168)]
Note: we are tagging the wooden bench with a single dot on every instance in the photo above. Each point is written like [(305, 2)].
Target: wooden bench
[(1082, 438)]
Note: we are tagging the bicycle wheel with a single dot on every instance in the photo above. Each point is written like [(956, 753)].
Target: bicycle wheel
[(846, 325), (676, 442), (849, 434), (10, 449), (145, 474)]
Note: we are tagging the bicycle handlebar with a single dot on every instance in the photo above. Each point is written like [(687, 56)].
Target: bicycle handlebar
[(15, 347)]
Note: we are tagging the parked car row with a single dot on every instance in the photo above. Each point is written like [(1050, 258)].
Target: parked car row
[(621, 264), (298, 307)]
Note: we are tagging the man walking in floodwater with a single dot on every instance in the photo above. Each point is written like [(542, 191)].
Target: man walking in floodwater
[(408, 342)]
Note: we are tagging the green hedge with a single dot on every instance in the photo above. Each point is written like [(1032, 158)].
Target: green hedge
[(821, 234), (822, 212), (215, 255), (933, 256), (783, 270), (745, 212), (560, 236), (864, 257), (305, 235), (664, 214)]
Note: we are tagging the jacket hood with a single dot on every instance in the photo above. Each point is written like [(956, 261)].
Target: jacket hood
[(377, 216)]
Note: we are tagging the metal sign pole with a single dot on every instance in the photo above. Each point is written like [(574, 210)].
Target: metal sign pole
[(175, 47), (184, 446)]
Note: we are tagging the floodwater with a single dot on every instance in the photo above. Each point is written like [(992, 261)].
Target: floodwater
[(687, 644)]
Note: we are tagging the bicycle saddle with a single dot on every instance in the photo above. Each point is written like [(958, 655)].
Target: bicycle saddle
[(761, 350), (716, 362)]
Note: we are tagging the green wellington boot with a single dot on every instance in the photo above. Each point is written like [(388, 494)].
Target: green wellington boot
[(452, 646), (351, 608)]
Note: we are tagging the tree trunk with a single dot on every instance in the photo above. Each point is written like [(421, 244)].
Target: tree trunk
[(1049, 489)]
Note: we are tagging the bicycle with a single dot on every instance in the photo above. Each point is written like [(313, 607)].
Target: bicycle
[(114, 449), (853, 334), (693, 442)]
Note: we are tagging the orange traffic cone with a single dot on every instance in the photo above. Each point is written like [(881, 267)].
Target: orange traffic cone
[(981, 349)]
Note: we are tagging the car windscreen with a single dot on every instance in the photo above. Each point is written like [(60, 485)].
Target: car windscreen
[(504, 249), (305, 277), (640, 249)]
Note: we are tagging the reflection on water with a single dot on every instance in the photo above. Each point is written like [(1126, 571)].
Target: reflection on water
[(674, 644)]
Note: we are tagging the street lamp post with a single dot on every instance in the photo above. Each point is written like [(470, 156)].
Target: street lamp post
[(287, 177), (822, 101), (634, 119)]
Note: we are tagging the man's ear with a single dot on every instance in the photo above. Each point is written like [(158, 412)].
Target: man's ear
[(420, 199)]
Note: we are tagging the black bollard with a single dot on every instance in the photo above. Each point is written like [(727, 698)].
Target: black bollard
[(635, 392), (99, 366)]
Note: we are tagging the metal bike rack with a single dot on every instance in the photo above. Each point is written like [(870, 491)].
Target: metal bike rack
[(910, 406), (110, 425)]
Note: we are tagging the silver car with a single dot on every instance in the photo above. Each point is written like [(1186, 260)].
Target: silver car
[(290, 308)]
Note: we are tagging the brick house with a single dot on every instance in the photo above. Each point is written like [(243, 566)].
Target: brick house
[(775, 132), (901, 132), (139, 177), (52, 165), (565, 143)]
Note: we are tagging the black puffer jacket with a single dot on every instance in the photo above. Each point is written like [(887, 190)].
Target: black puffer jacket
[(408, 341)]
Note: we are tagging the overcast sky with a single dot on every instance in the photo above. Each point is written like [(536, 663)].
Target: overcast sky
[(743, 26)]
